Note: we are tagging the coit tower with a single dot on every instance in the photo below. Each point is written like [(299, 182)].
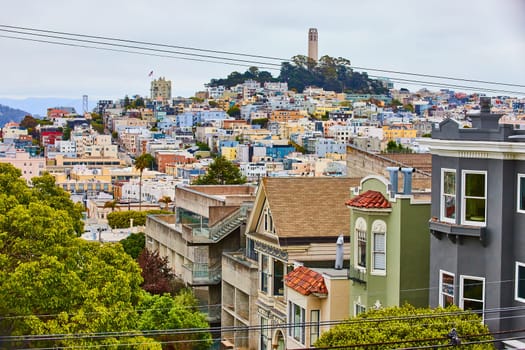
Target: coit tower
[(312, 44)]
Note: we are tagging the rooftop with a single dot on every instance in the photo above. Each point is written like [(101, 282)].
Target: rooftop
[(369, 200), (306, 281)]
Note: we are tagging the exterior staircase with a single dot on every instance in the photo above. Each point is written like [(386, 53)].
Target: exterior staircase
[(227, 225)]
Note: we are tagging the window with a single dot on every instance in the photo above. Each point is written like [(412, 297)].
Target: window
[(472, 293), (297, 322), (314, 326), (448, 195), (360, 233), (278, 277), (358, 309), (379, 246), (264, 333), (264, 273), (268, 221), (446, 288), (474, 197), (519, 288), (521, 193)]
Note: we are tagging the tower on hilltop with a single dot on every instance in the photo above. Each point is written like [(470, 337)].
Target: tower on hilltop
[(312, 44), (160, 89)]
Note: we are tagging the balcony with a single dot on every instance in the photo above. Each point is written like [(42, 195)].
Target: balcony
[(201, 232), (357, 275), (456, 232), (201, 274)]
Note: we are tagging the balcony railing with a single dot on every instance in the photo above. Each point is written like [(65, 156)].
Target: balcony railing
[(203, 273), (217, 231)]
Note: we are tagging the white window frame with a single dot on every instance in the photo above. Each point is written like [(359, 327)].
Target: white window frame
[(464, 221), (442, 194), (357, 308), (461, 298), (516, 279), (378, 227), (360, 224), (297, 325), (518, 209), (441, 273)]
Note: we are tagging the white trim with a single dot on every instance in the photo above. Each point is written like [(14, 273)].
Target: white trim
[(464, 221), (358, 304), (378, 226), (440, 301), (519, 193), (461, 298), (360, 224), (442, 195), (516, 276), (475, 149)]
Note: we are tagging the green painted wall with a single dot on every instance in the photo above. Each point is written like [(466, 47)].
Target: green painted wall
[(407, 253)]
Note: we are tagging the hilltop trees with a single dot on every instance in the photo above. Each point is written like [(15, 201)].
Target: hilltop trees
[(407, 326), (329, 73)]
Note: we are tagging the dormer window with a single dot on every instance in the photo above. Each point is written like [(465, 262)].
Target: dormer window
[(268, 222)]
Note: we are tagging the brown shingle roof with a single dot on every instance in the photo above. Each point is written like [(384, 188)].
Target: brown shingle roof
[(306, 281), (309, 207), (369, 200)]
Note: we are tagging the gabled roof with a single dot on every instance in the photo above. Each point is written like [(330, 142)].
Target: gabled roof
[(306, 281), (307, 207), (369, 200)]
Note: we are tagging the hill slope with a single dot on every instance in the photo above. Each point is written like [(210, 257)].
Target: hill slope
[(8, 114)]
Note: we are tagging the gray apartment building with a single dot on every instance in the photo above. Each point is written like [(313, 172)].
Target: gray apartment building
[(477, 225)]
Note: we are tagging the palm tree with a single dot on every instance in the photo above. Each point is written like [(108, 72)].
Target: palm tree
[(166, 200), (111, 204), (142, 162)]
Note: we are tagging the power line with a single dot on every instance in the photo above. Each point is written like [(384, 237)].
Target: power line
[(220, 60), (127, 51), (27, 31), (254, 56), (136, 47), (359, 321)]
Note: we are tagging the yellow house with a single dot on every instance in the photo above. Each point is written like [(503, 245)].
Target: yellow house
[(229, 153), (397, 131)]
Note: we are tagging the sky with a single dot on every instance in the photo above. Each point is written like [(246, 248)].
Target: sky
[(473, 39)]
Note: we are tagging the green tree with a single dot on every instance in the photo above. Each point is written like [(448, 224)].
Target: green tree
[(407, 326), (134, 244), (221, 172), (179, 312), (234, 111), (142, 162), (122, 219), (46, 190)]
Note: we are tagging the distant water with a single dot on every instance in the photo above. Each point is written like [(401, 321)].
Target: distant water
[(39, 106)]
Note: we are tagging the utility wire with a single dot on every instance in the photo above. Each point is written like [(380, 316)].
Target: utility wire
[(255, 56), (127, 51), (137, 47), (221, 60)]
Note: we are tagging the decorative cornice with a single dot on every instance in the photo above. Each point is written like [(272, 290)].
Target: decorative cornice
[(476, 149), (271, 250)]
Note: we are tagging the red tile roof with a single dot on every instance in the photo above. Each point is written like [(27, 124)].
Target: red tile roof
[(306, 281), (369, 200)]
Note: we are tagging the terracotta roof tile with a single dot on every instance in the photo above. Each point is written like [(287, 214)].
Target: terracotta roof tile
[(306, 281), (369, 200)]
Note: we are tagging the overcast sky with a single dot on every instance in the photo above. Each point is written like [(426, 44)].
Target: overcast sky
[(475, 39)]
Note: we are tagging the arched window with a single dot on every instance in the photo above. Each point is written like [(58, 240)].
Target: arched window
[(360, 239), (379, 246)]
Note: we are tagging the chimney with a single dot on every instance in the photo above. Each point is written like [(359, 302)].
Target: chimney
[(407, 180), (393, 170), (339, 253)]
